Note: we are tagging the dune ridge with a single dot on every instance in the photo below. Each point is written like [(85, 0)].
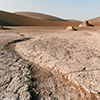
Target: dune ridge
[(95, 21), (40, 16), (19, 20)]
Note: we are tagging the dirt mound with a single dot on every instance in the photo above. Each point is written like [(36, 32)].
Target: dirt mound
[(85, 24), (71, 28)]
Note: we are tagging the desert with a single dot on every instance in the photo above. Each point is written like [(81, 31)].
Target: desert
[(43, 57)]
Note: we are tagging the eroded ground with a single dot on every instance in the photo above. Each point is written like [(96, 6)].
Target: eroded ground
[(58, 64)]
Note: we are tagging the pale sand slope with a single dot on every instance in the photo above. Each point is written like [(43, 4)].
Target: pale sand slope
[(40, 16), (76, 54), (14, 19)]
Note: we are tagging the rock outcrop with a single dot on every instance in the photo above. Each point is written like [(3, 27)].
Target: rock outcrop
[(85, 24), (71, 28)]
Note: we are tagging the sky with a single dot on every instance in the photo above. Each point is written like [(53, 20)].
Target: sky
[(66, 9)]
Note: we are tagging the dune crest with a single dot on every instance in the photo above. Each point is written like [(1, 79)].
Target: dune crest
[(11, 19), (40, 16)]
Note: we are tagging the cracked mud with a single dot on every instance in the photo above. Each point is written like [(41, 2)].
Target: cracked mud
[(55, 66)]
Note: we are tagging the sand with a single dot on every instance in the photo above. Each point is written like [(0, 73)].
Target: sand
[(41, 59), (40, 16), (95, 21), (15, 19)]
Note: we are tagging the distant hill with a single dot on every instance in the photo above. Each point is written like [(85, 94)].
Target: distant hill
[(95, 21), (40, 16), (71, 20), (7, 18)]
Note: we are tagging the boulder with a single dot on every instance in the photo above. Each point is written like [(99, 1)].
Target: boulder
[(85, 24)]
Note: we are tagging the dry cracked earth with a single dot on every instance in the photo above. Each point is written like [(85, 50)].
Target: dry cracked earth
[(49, 63)]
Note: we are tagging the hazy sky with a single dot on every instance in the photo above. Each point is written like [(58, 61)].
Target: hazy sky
[(67, 9)]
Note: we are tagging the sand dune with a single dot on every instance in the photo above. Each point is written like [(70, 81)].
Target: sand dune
[(40, 16), (14, 19), (44, 16), (71, 20), (95, 21)]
